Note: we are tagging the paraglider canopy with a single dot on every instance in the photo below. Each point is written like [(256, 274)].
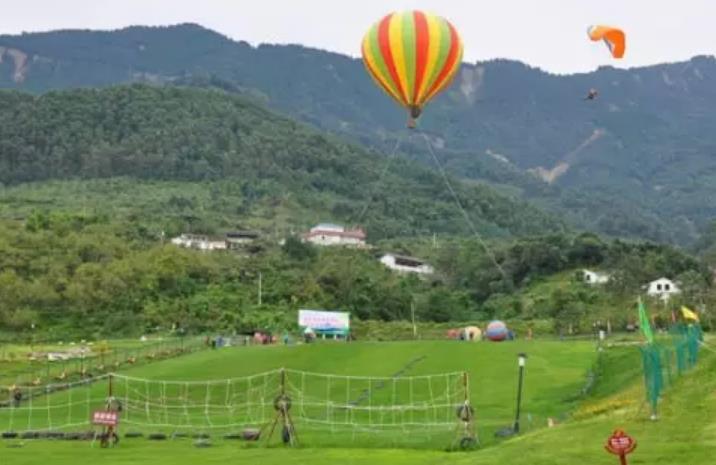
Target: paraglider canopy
[(613, 37), (412, 56)]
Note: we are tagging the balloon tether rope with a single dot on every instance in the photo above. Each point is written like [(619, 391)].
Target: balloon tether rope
[(455, 197), (384, 171)]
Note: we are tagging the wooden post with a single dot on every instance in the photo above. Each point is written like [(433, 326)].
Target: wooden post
[(283, 381), (466, 387)]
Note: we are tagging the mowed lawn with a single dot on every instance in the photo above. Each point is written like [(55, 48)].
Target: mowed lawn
[(555, 375)]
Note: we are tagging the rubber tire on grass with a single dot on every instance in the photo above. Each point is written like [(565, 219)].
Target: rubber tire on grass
[(467, 443), (282, 399), (286, 434), (133, 434), (157, 437), (251, 434), (30, 435), (180, 435), (201, 436), (105, 440), (233, 436), (465, 412), (202, 443), (9, 435)]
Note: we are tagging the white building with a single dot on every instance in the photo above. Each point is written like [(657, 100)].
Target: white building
[(333, 234), (662, 288), (404, 264), (594, 277), (199, 242)]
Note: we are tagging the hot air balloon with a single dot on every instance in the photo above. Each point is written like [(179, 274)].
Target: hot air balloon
[(614, 38), (412, 56)]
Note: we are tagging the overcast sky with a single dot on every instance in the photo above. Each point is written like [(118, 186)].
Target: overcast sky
[(550, 34)]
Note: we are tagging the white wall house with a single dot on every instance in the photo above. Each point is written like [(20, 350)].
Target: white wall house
[(199, 242), (406, 264), (333, 234), (662, 288), (594, 277)]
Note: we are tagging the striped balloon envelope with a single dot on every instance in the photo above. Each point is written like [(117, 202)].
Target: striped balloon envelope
[(412, 56)]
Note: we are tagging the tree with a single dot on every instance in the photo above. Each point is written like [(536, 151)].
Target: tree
[(298, 250)]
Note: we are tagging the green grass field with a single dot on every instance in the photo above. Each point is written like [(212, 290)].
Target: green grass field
[(685, 433)]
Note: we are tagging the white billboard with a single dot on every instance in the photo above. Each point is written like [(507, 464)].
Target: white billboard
[(324, 321)]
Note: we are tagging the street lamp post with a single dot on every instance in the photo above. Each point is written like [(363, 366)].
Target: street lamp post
[(521, 360), (32, 338)]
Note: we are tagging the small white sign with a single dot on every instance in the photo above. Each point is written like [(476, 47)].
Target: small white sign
[(323, 321)]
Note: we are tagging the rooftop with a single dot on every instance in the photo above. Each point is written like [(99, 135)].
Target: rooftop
[(329, 226)]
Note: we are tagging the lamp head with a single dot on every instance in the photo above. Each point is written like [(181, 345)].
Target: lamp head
[(522, 359)]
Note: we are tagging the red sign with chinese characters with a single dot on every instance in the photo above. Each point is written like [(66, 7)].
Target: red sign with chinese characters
[(105, 418), (620, 444)]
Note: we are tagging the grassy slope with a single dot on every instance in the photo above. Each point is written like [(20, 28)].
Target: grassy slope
[(685, 434)]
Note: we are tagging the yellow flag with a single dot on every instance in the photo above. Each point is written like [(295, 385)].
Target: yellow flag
[(689, 314)]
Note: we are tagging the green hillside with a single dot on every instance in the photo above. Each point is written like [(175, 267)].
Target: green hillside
[(165, 133), (638, 161), (88, 259)]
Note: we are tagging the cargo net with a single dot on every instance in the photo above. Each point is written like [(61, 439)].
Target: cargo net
[(325, 409), (54, 407)]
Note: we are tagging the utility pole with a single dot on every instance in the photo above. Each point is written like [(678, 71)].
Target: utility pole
[(259, 288)]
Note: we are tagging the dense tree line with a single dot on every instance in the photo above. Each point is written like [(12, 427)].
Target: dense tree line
[(90, 275), (172, 133)]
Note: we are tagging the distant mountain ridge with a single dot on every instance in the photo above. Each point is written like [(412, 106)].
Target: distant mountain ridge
[(638, 161)]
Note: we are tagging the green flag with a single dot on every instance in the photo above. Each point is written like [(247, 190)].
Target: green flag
[(644, 323)]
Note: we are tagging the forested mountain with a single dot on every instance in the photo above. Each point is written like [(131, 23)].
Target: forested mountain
[(94, 180), (174, 133), (638, 161)]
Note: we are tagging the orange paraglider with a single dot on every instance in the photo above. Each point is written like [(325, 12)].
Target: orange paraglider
[(412, 56), (614, 38)]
